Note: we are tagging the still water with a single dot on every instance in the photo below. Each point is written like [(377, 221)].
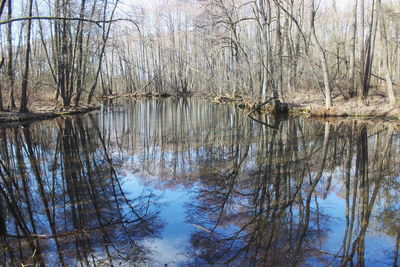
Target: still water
[(190, 183)]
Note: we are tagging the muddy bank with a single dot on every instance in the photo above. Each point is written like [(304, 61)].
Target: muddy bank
[(42, 113), (355, 109), (375, 107)]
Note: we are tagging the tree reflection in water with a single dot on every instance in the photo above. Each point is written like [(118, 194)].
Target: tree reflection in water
[(269, 201), (282, 193), (62, 202), (259, 191)]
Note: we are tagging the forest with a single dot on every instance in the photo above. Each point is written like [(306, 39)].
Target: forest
[(178, 164), (339, 57)]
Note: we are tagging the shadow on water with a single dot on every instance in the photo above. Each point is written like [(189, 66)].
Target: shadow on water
[(186, 182)]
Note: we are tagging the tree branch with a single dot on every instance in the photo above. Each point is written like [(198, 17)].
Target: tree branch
[(97, 22), (260, 105)]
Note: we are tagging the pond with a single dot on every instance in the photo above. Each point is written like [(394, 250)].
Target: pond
[(185, 182)]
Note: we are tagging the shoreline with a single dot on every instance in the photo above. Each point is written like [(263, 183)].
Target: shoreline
[(376, 109), (311, 108), (14, 116), (304, 107)]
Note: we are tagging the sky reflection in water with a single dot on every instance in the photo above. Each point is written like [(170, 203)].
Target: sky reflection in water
[(187, 182)]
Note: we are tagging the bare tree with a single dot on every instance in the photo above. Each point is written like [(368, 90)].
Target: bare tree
[(385, 56), (25, 77), (105, 35), (10, 69), (325, 70), (353, 51)]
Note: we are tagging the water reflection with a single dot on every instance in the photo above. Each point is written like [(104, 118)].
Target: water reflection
[(271, 201), (62, 202), (186, 182)]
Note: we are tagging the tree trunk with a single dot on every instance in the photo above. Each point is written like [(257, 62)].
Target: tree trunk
[(25, 76), (80, 55), (328, 98), (366, 52), (385, 57), (10, 71), (2, 4), (1, 95), (106, 33), (353, 51), (280, 53)]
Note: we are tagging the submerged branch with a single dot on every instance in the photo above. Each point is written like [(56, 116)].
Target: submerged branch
[(264, 123)]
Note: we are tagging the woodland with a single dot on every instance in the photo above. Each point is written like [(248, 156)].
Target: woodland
[(185, 181), (325, 54)]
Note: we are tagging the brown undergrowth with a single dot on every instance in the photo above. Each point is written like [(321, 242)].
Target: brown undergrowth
[(313, 105)]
